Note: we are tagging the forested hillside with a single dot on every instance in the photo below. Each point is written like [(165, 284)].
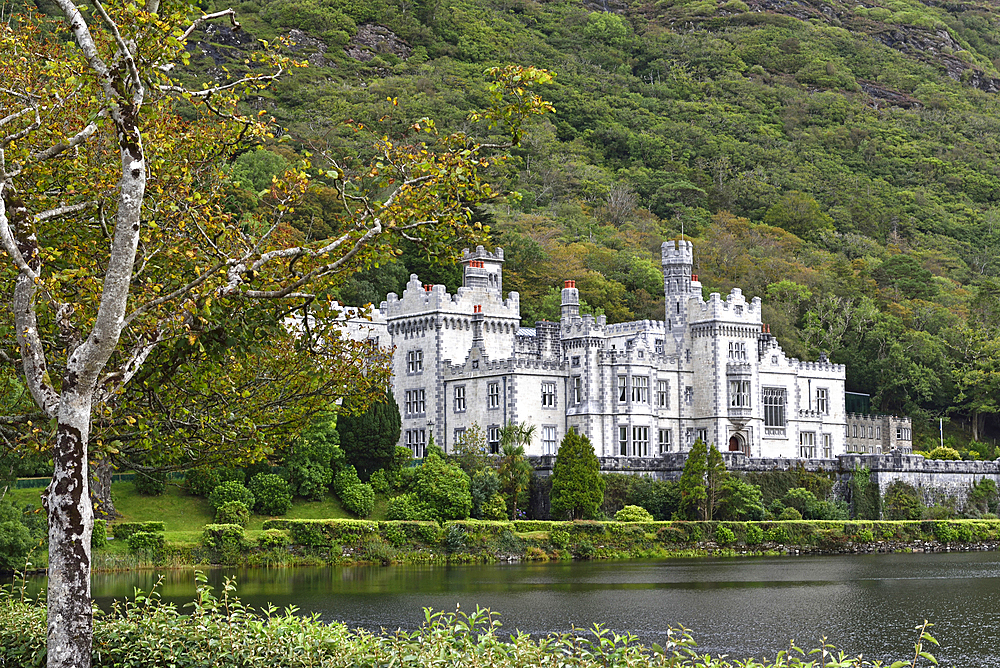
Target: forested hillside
[(838, 159)]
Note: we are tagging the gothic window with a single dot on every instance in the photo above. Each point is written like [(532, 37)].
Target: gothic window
[(774, 407), (640, 389), (576, 360), (414, 404), (659, 345), (493, 395), (688, 394), (577, 390), (827, 446), (703, 435), (663, 394), (622, 389), (415, 361), (493, 438), (459, 435), (460, 398), (664, 441), (878, 432), (623, 441), (548, 395), (739, 394), (416, 441), (807, 444), (549, 440), (737, 350), (822, 401), (640, 441)]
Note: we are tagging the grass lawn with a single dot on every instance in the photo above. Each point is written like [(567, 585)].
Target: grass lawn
[(20, 497)]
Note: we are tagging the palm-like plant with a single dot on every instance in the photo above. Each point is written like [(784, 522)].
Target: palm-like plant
[(514, 469)]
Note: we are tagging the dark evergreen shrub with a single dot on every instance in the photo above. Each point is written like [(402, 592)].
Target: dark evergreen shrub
[(201, 481), (150, 483)]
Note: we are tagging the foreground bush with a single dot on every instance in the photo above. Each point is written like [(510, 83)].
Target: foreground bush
[(273, 494), (221, 631)]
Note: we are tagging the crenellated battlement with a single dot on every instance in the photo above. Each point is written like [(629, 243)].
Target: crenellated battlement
[(494, 367), (636, 326), (422, 299), (679, 251), (735, 308)]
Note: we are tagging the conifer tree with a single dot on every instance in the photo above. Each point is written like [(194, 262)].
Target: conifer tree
[(369, 439), (577, 485), (701, 482)]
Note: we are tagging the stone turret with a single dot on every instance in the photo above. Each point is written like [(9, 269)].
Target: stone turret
[(483, 269), (570, 301), (677, 258)]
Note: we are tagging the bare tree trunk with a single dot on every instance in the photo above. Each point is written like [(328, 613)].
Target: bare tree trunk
[(71, 522)]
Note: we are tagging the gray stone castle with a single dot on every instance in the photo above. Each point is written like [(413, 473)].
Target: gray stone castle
[(643, 389)]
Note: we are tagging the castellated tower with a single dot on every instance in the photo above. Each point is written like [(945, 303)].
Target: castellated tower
[(483, 269), (677, 261)]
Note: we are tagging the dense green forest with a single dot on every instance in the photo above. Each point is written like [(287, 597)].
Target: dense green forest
[(840, 160)]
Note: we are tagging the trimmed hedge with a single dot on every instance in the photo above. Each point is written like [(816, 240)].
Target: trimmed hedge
[(99, 538), (122, 530), (145, 541)]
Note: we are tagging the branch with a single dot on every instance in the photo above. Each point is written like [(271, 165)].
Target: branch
[(64, 210), (208, 17), (72, 142), (138, 92)]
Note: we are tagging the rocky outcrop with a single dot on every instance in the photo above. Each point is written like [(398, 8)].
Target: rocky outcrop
[(373, 39)]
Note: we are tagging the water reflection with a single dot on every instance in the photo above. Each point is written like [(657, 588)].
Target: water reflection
[(741, 607)]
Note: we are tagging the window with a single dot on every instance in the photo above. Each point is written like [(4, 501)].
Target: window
[(827, 446), (688, 394), (703, 435), (855, 431), (576, 360), (807, 444), (460, 398), (878, 432), (415, 361), (737, 350), (664, 441), (641, 354), (416, 441), (623, 441), (577, 389), (871, 432), (548, 395), (663, 394), (493, 395), (549, 440), (689, 436), (640, 389), (899, 432), (774, 407), (640, 441), (739, 394), (459, 435), (493, 438), (822, 402), (622, 388), (658, 346), (414, 403)]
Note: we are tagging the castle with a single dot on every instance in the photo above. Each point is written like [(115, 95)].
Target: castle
[(709, 370)]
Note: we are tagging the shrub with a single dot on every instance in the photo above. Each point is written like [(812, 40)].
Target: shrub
[(145, 541), (122, 530), (386, 482), (724, 535), (633, 514), (944, 452), (865, 535), (233, 512), (15, 543), (790, 514), (495, 508), (201, 481), (272, 492), (944, 532), (99, 538), (227, 540), (454, 538), (309, 532), (802, 500), (405, 507), (357, 497), (484, 488), (393, 534), (231, 491), (902, 502), (273, 539), (559, 538), (777, 535), (150, 483), (443, 489), (754, 534)]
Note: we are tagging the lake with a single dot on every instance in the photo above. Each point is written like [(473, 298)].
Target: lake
[(737, 606)]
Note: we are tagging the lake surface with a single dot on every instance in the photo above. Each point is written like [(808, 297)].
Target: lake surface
[(740, 606)]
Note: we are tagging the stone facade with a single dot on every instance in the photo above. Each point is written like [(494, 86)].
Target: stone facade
[(638, 390)]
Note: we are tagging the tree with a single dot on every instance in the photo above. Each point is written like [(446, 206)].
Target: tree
[(369, 439), (902, 502), (701, 482), (800, 214), (442, 489), (577, 487), (108, 264), (514, 470)]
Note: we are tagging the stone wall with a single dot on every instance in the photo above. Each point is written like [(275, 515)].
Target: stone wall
[(935, 479)]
